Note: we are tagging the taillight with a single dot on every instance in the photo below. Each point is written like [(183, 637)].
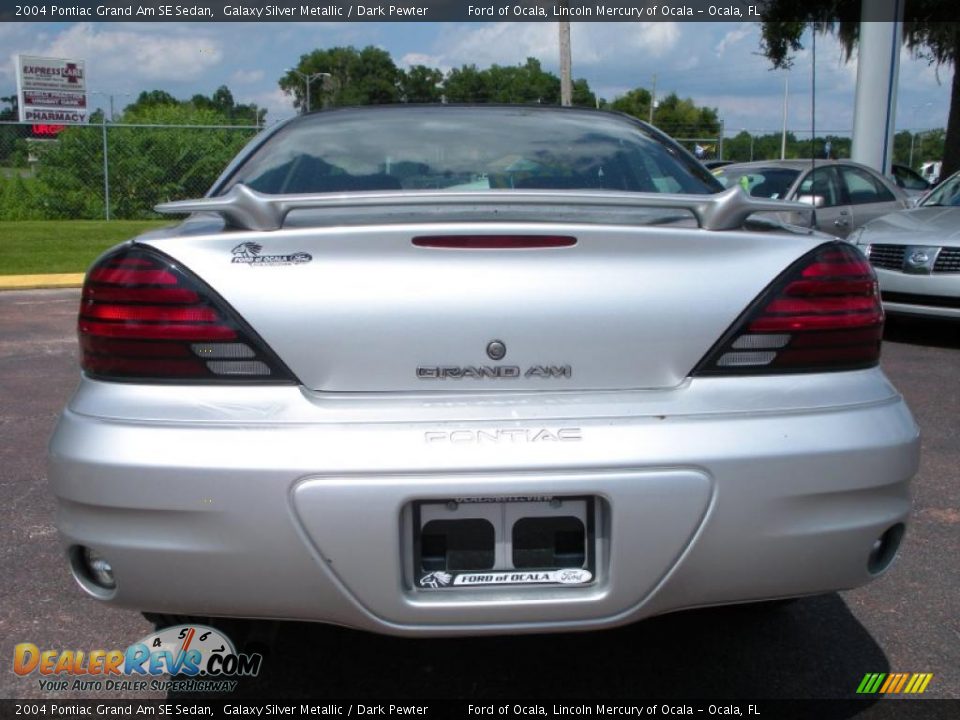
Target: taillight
[(822, 314), (143, 317)]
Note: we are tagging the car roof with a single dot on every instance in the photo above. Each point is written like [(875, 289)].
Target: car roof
[(414, 108), (794, 164)]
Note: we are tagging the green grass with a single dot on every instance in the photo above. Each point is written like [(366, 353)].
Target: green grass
[(32, 247)]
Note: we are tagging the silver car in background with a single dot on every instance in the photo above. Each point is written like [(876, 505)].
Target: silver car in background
[(845, 194), (916, 254), (440, 370)]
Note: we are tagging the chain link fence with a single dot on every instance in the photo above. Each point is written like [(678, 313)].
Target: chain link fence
[(109, 171)]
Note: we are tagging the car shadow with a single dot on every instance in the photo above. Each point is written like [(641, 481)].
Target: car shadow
[(813, 648), (922, 331)]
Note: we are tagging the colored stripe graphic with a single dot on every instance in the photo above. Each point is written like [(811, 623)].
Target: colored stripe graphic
[(903, 681), (894, 683), (892, 679), (918, 683), (870, 683)]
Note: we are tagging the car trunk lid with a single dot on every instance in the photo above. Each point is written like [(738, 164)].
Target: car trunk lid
[(396, 308)]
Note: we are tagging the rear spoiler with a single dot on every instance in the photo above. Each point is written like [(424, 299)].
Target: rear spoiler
[(246, 209)]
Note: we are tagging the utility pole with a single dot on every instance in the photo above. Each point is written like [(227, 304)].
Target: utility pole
[(566, 83), (653, 98), (783, 136), (110, 96)]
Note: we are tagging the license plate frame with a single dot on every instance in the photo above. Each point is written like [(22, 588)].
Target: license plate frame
[(503, 574)]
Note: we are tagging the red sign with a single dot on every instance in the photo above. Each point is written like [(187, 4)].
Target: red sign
[(48, 130)]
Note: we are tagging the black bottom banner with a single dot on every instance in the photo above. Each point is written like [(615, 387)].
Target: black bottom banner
[(766, 709)]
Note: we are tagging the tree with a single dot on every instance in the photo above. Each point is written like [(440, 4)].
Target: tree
[(10, 113), (222, 102), (740, 148), (147, 165), (370, 77), (467, 84), (522, 84), (11, 136), (681, 118), (636, 103), (421, 84), (152, 98), (583, 96), (356, 77), (527, 83), (924, 33)]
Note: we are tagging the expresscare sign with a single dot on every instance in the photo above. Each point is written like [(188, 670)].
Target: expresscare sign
[(51, 90)]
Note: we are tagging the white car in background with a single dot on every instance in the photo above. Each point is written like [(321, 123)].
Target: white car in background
[(916, 254)]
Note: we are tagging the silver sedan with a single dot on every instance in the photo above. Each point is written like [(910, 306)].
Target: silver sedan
[(916, 254), (845, 194), (460, 370)]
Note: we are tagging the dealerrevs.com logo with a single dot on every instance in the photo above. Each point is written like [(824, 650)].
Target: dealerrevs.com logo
[(197, 658)]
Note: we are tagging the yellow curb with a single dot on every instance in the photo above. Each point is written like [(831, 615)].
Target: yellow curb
[(33, 282)]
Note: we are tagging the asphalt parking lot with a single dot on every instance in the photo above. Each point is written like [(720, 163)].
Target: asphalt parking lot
[(908, 621)]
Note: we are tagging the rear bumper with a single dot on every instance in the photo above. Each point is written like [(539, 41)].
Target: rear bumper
[(253, 510)]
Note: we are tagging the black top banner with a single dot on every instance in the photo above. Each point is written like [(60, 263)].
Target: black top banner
[(461, 10)]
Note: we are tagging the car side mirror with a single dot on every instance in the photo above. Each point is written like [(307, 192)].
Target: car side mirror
[(815, 200)]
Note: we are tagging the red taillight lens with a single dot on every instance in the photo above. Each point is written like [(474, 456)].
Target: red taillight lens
[(143, 317), (822, 314)]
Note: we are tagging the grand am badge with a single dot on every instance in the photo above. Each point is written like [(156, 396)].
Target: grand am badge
[(493, 372), (565, 576), (248, 253)]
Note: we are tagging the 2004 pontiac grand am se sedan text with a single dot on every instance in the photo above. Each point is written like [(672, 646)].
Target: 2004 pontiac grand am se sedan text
[(458, 370)]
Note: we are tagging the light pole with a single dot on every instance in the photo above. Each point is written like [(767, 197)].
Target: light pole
[(307, 79), (566, 83), (110, 96)]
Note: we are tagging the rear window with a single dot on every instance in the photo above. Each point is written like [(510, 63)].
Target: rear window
[(908, 179), (771, 183), (467, 149), (947, 193)]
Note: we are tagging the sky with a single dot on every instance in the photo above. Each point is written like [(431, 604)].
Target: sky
[(716, 64)]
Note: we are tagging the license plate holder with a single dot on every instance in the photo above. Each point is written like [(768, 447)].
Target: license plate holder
[(504, 541)]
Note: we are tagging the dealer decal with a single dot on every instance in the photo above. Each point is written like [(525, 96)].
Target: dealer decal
[(566, 576), (249, 253)]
